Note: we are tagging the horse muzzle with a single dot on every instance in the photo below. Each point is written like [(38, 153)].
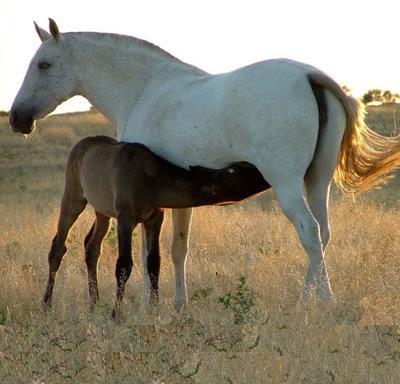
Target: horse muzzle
[(21, 120)]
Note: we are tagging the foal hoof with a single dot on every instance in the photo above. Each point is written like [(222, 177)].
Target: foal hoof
[(116, 314), (46, 305), (93, 306)]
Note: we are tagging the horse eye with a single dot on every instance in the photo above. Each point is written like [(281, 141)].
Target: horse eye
[(44, 65)]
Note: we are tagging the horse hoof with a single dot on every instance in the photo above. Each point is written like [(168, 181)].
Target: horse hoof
[(325, 297), (179, 306)]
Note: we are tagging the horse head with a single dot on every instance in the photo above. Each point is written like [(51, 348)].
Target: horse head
[(48, 81)]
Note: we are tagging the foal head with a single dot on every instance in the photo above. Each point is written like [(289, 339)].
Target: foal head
[(236, 182), (48, 82)]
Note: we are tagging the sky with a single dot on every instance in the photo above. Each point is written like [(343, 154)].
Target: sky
[(357, 42)]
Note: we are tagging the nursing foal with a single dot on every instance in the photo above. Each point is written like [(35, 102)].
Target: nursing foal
[(132, 184)]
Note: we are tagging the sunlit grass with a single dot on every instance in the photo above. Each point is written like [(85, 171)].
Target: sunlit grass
[(353, 340)]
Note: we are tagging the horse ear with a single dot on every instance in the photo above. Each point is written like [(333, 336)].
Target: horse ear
[(54, 30), (43, 35)]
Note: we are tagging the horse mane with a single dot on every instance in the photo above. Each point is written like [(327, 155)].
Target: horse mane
[(129, 41)]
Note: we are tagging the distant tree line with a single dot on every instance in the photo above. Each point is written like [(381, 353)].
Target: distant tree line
[(380, 96)]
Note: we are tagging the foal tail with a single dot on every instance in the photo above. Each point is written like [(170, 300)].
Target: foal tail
[(365, 157)]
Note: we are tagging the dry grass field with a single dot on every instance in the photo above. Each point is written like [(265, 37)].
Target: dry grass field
[(356, 339)]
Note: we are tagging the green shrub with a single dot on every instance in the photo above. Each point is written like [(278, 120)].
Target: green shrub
[(241, 302)]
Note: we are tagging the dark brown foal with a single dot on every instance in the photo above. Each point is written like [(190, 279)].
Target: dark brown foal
[(132, 184)]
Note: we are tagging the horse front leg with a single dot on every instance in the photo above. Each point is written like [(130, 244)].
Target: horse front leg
[(181, 219), (145, 300)]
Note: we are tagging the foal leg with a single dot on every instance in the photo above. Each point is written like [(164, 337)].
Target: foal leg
[(93, 242), (295, 207), (124, 262), (151, 260), (71, 207), (181, 229)]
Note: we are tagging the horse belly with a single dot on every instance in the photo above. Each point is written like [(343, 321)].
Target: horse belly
[(184, 128)]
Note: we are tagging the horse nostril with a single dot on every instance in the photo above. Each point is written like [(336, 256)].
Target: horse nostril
[(21, 120)]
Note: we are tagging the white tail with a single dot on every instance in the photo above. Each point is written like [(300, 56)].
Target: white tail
[(366, 158)]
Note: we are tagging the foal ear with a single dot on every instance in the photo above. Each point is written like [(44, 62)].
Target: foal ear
[(43, 35), (54, 30)]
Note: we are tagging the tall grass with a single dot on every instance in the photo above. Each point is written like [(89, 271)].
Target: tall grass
[(356, 339)]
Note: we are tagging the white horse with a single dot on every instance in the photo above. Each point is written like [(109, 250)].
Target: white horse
[(290, 120)]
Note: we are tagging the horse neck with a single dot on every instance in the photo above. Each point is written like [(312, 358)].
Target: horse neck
[(115, 71)]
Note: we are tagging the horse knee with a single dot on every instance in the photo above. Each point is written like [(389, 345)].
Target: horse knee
[(57, 246), (307, 227), (180, 247), (309, 234), (92, 254), (325, 236), (153, 268), (88, 236), (181, 223), (57, 251), (123, 269)]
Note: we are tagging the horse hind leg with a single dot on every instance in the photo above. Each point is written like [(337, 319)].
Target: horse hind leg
[(318, 197), (320, 172), (93, 242), (293, 203)]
